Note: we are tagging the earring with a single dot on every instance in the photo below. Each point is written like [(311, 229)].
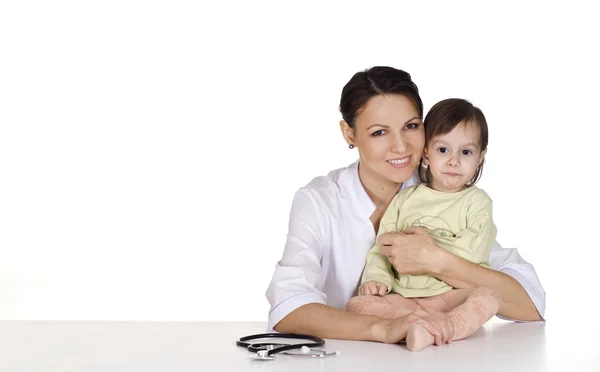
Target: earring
[(351, 146)]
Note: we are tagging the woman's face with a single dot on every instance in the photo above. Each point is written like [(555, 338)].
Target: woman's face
[(389, 136)]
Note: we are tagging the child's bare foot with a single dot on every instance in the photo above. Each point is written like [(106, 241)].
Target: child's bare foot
[(418, 337)]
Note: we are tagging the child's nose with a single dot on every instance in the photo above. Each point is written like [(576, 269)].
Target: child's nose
[(453, 161)]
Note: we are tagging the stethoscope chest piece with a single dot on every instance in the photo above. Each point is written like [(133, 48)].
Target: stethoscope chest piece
[(262, 355)]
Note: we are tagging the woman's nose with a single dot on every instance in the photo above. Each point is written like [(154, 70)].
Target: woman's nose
[(398, 145)]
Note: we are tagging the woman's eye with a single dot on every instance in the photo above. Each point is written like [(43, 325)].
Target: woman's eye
[(377, 133), (467, 152), (443, 150), (412, 126)]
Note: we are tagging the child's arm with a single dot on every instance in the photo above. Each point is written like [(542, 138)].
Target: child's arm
[(476, 240), (378, 267)]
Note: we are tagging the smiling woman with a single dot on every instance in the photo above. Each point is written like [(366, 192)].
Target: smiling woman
[(335, 218), (402, 134), (390, 137)]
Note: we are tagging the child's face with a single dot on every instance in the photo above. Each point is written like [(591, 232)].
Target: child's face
[(453, 158)]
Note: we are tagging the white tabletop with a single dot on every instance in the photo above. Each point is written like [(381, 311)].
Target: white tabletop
[(191, 346)]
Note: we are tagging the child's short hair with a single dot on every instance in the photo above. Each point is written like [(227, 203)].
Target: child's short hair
[(446, 115)]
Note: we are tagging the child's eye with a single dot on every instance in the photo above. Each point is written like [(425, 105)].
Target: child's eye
[(467, 152), (378, 133), (443, 150)]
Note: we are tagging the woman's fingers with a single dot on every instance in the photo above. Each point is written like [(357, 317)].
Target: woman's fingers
[(445, 325), (432, 328), (439, 325), (449, 328), (386, 250), (386, 239)]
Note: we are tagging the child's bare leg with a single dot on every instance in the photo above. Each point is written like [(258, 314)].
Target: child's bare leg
[(479, 306), (390, 306)]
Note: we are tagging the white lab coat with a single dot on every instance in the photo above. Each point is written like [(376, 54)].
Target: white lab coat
[(329, 235)]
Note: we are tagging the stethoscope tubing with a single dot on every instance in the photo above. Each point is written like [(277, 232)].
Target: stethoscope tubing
[(256, 347)]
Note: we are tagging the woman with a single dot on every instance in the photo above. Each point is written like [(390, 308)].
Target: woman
[(334, 222)]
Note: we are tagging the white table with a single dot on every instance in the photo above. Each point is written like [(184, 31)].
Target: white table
[(188, 346)]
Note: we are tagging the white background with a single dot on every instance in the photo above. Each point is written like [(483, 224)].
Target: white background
[(149, 150)]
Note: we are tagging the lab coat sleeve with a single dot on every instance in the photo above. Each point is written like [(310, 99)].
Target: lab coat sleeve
[(378, 268), (508, 261), (298, 278)]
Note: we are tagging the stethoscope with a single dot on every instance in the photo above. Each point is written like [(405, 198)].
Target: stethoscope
[(266, 350)]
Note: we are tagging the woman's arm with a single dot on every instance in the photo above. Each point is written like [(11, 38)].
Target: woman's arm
[(414, 252), (298, 304), (461, 273), (479, 238), (328, 322)]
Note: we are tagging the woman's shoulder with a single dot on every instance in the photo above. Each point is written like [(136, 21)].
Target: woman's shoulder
[(337, 193), (331, 183)]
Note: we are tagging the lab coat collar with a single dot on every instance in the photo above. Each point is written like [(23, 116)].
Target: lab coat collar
[(364, 204)]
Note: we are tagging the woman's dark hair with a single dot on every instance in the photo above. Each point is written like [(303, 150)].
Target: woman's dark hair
[(375, 81), (446, 115)]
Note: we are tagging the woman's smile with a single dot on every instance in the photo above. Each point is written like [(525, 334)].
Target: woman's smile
[(400, 162)]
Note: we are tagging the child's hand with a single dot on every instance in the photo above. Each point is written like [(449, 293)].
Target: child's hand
[(373, 288)]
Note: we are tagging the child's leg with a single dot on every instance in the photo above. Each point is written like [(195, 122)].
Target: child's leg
[(471, 309), (479, 306), (390, 306), (446, 301)]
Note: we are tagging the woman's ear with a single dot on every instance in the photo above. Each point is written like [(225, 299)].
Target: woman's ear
[(347, 132)]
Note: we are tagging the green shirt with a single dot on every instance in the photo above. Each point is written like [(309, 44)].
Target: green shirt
[(460, 222)]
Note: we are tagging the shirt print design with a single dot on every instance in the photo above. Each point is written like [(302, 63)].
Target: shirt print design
[(435, 225)]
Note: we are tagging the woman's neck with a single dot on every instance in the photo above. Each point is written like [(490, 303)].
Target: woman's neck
[(380, 191)]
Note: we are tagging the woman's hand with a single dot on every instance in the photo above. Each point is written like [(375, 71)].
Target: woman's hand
[(391, 331), (439, 325), (412, 251)]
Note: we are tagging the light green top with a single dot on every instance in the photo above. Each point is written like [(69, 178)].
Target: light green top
[(460, 222)]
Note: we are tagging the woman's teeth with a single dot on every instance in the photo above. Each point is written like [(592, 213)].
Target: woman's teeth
[(399, 161)]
